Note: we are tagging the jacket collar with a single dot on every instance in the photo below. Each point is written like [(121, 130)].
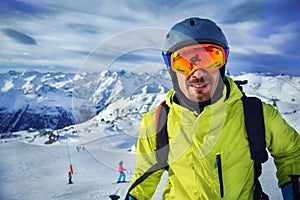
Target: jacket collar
[(231, 93)]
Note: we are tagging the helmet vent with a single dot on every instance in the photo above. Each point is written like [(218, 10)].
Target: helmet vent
[(192, 22)]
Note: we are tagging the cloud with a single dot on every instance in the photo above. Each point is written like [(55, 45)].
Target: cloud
[(65, 33), (133, 47), (19, 37), (244, 11)]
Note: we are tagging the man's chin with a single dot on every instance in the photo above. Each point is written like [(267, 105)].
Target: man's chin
[(201, 98), (201, 95)]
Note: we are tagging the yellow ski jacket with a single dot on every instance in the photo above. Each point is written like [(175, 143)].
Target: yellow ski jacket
[(211, 144)]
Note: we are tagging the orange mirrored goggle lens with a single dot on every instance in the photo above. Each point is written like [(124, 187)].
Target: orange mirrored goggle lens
[(209, 57)]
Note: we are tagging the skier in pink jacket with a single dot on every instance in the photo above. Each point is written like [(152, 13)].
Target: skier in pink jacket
[(122, 176)]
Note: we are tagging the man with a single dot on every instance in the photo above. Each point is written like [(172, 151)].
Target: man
[(209, 154)]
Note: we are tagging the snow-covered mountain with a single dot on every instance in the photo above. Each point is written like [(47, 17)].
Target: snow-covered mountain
[(33, 100), (90, 96)]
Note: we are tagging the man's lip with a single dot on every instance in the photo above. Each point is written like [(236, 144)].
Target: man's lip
[(199, 85)]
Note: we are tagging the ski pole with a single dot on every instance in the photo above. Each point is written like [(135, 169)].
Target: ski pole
[(71, 167)]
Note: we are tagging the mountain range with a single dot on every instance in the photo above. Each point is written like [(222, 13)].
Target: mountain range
[(54, 100)]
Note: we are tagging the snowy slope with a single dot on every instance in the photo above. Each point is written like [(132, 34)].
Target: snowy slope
[(30, 169)]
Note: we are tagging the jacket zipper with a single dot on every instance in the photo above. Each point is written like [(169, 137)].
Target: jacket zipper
[(219, 166)]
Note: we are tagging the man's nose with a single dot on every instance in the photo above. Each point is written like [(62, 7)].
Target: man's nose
[(199, 72)]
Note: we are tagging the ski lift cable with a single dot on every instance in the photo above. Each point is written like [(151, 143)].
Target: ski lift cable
[(289, 82)]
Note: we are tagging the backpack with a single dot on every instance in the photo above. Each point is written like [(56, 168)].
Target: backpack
[(254, 121)]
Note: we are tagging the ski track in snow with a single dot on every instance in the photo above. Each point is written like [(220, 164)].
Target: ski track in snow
[(40, 172)]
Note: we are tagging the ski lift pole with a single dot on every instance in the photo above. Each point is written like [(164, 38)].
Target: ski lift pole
[(71, 168)]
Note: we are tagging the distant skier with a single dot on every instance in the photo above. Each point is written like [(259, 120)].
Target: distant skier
[(70, 177), (78, 147), (122, 176)]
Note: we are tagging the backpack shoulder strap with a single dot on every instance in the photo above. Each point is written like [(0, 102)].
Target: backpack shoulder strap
[(162, 147), (254, 121), (162, 139)]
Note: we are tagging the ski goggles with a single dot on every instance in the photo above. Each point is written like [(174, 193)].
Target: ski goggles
[(209, 57)]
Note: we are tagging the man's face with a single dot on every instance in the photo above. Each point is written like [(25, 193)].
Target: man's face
[(199, 86)]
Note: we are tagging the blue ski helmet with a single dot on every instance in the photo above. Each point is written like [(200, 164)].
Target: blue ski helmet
[(193, 31)]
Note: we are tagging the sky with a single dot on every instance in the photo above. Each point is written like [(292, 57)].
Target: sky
[(80, 35)]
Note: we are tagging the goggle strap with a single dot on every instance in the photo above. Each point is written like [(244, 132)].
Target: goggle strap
[(167, 59), (226, 51)]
